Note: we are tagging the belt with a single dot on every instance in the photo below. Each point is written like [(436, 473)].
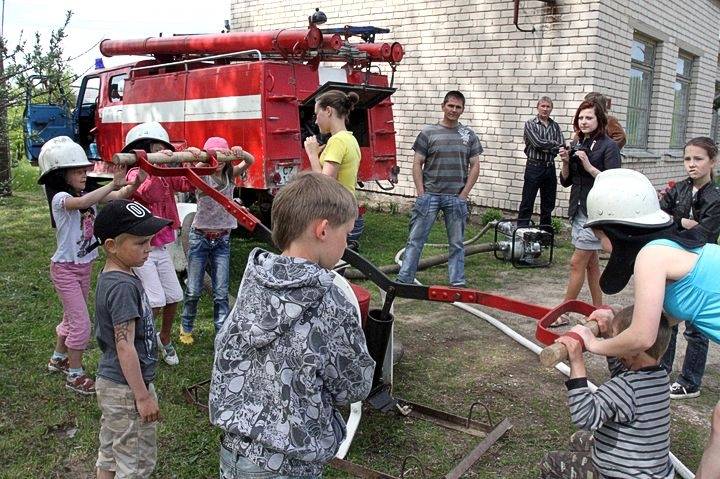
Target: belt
[(212, 235), (541, 163)]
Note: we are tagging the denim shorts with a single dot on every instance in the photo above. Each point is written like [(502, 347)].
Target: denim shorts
[(583, 238)]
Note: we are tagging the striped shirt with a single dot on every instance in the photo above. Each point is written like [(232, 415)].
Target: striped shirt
[(542, 142), (630, 415), (447, 153)]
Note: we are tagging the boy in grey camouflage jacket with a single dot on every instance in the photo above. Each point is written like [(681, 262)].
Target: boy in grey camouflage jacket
[(292, 349)]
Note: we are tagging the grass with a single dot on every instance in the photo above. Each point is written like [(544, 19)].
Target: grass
[(451, 360)]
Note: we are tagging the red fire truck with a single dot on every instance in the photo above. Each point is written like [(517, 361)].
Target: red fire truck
[(255, 89)]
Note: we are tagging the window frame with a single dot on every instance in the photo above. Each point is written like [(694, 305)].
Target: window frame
[(678, 125), (645, 67), (118, 79)]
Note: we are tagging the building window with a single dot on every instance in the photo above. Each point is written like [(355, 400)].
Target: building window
[(683, 74), (714, 133), (642, 64)]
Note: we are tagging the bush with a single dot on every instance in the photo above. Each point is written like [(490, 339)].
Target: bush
[(491, 214), (558, 225)]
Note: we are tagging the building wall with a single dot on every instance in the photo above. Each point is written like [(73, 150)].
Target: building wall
[(578, 46)]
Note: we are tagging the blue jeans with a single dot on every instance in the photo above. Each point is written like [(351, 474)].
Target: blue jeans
[(455, 211), (202, 251), (358, 228), (235, 466), (693, 367)]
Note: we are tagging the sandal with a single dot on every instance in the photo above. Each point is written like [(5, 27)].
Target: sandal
[(81, 384), (563, 320), (59, 365)]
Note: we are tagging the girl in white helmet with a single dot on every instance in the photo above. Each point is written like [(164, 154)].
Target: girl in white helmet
[(673, 271), (63, 172), (158, 275)]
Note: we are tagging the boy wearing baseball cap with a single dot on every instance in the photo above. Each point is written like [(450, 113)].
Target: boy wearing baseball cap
[(126, 334)]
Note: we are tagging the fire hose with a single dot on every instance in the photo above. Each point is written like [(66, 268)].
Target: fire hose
[(380, 321)]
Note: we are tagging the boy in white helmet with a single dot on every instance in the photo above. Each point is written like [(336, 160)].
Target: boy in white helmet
[(673, 271), (158, 195)]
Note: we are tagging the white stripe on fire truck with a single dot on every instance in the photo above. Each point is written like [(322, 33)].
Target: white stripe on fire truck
[(246, 107)]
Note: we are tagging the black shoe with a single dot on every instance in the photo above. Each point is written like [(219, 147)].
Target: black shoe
[(678, 391)]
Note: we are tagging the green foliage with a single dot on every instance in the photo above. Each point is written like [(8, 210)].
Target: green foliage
[(491, 214), (40, 69), (34, 72), (558, 225), (24, 176)]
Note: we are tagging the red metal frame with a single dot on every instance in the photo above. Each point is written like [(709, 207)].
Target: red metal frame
[(545, 316)]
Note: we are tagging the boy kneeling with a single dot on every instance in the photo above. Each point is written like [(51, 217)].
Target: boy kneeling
[(292, 349), (629, 414), (125, 331)]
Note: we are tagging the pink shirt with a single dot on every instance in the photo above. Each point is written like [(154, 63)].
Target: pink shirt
[(157, 193)]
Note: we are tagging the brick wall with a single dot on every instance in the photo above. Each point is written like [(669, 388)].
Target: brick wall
[(578, 46)]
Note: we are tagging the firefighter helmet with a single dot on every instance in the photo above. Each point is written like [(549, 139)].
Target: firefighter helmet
[(151, 130), (60, 153), (624, 196)]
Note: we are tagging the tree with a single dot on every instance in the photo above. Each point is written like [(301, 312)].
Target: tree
[(17, 69)]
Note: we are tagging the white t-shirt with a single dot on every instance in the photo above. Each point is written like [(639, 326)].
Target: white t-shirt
[(74, 232)]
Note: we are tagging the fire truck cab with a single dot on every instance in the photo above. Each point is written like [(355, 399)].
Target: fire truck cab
[(256, 90)]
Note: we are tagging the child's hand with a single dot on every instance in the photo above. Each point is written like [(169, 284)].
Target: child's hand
[(119, 176), (196, 152), (239, 152), (573, 346), (148, 409)]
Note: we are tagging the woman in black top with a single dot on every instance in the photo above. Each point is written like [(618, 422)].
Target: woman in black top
[(592, 152), (694, 203)]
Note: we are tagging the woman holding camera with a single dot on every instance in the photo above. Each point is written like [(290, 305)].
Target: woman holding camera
[(592, 152)]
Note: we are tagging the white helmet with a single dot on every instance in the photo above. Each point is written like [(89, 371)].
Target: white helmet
[(60, 153), (624, 196), (151, 130)]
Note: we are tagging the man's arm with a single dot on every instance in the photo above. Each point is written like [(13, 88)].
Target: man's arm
[(130, 365), (417, 173), (473, 174)]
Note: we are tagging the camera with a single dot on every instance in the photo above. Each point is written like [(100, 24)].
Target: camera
[(574, 148)]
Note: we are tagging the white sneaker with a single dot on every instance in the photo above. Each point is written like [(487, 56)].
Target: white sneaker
[(168, 352)]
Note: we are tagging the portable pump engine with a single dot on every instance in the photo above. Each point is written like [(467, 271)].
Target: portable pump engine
[(523, 245)]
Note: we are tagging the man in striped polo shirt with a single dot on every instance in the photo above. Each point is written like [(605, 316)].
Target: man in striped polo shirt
[(446, 165), (543, 139), (629, 415)]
